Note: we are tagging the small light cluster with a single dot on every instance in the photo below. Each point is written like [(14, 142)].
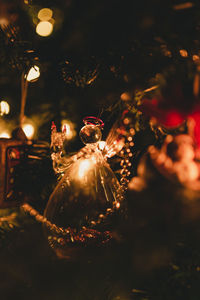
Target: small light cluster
[(45, 26), (184, 53)]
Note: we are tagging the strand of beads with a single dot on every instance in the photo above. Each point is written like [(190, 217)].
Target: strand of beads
[(67, 235), (125, 163)]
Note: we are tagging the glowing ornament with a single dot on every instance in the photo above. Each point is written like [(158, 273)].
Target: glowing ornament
[(79, 211), (44, 28), (57, 140)]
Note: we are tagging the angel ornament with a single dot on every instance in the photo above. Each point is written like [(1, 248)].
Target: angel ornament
[(86, 201)]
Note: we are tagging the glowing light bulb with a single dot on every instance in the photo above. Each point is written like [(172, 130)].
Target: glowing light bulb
[(4, 108), (183, 53), (28, 130), (125, 96), (195, 57), (117, 205), (44, 28), (4, 135), (84, 167), (33, 74), (45, 14)]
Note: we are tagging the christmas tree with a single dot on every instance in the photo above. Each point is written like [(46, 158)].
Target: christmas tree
[(100, 149)]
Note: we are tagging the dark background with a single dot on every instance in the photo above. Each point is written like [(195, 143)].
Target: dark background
[(120, 45), (112, 47)]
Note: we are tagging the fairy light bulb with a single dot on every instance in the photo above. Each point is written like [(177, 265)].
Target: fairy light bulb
[(33, 74), (44, 28), (183, 53), (28, 130), (45, 14), (5, 135), (4, 108)]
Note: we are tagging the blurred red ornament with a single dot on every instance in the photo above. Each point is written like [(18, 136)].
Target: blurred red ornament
[(171, 118)]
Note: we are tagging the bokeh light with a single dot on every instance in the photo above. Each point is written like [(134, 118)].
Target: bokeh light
[(3, 22), (70, 132), (183, 53), (44, 28), (28, 130), (4, 108), (195, 57), (33, 74), (125, 96), (45, 14), (5, 135)]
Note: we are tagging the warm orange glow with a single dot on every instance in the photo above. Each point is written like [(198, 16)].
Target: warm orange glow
[(33, 74), (28, 130), (183, 6), (4, 108), (84, 166), (126, 121), (5, 135), (101, 145), (44, 28), (183, 53), (125, 97), (117, 205), (152, 88), (70, 132), (195, 57), (132, 131), (4, 22), (45, 14)]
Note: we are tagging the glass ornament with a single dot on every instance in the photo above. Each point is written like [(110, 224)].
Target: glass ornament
[(90, 134), (57, 140), (83, 209)]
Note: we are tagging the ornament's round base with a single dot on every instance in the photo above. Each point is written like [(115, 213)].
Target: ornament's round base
[(75, 254), (85, 244)]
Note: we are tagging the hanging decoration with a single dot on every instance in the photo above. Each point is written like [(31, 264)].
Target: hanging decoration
[(83, 210)]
